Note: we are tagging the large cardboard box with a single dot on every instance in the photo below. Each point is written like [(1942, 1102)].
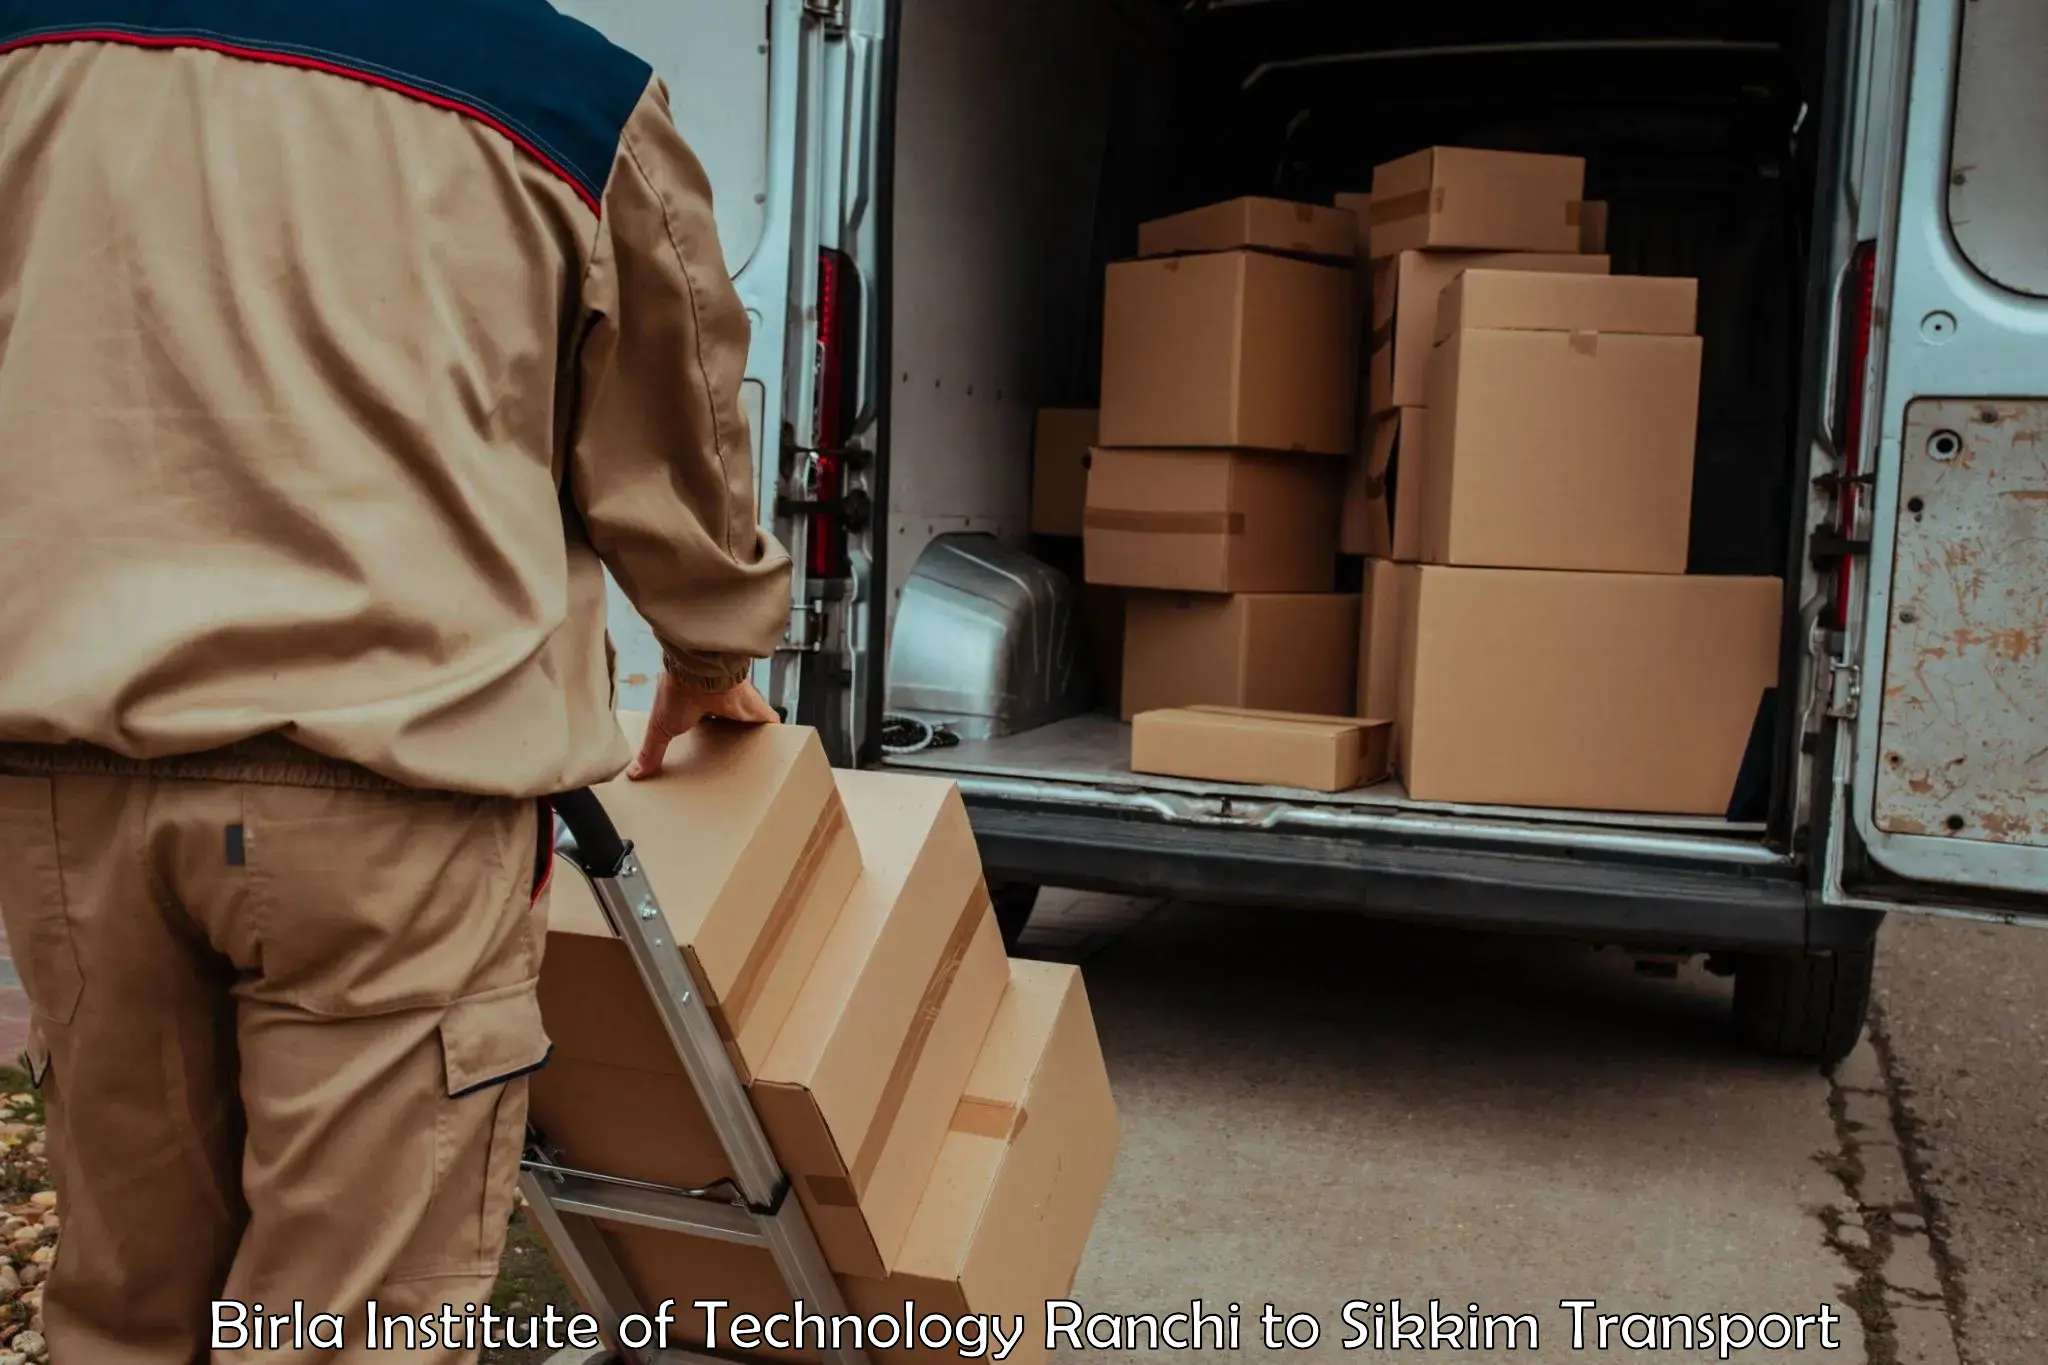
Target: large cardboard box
[(1269, 651), (1405, 290), (1277, 225), (1595, 691), (1234, 349), (1380, 641), (1383, 493), (1262, 748), (1461, 197), (1551, 301), (1004, 1219), (1059, 469), (1213, 520), (1553, 447), (859, 1088), (747, 845)]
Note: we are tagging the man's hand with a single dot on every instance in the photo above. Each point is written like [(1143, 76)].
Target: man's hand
[(678, 707)]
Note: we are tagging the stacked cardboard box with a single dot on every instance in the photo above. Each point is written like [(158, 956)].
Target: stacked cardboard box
[(1229, 400), (1433, 215), (1526, 617), (842, 931)]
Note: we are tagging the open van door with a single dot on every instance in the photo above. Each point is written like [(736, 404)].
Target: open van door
[(1940, 685), (775, 98)]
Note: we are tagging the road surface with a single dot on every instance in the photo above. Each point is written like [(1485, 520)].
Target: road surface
[(1321, 1111)]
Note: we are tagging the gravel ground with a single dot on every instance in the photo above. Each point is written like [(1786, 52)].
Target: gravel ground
[(527, 1283), (28, 1222)]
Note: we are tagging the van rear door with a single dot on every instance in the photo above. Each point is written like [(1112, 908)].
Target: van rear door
[(744, 80), (1941, 792)]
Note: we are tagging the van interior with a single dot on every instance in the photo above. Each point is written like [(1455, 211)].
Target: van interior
[(1030, 141)]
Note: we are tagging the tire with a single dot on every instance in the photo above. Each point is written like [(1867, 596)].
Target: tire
[(1014, 902), (1810, 1005)]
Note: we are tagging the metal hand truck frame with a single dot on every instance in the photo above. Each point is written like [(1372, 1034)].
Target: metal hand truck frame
[(754, 1207)]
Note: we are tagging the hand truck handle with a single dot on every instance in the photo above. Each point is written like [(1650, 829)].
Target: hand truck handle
[(600, 851)]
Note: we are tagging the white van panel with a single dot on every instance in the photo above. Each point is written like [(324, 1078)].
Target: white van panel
[(1998, 182), (713, 54), (1001, 116), (1964, 734), (1952, 345), (736, 73)]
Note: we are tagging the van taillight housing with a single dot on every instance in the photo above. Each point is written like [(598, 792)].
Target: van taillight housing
[(835, 408), (1859, 304)]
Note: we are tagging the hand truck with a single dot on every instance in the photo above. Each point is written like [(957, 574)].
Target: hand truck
[(754, 1207)]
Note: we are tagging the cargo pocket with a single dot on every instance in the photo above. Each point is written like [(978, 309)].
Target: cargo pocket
[(35, 1056), (32, 899), (490, 1045)]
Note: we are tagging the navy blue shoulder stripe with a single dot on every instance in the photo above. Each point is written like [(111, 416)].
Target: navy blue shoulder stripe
[(553, 86)]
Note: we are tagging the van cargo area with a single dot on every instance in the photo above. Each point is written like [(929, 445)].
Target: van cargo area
[(1030, 143)]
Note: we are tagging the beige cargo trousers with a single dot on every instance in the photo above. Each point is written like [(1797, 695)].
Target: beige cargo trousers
[(283, 1016)]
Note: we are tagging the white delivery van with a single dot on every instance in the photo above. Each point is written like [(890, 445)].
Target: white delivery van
[(919, 198)]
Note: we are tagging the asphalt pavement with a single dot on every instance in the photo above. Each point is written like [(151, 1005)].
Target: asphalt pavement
[(1321, 1112), (1963, 1024)]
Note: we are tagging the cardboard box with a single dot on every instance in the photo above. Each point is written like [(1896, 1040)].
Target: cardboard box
[(1261, 748), (1520, 300), (1005, 1218), (1405, 291), (1591, 691), (1593, 226), (1059, 469), (1269, 651), (1255, 223), (1383, 494), (857, 1093), (1559, 449), (1380, 634), (1235, 350), (748, 848), (1461, 197), (1213, 520)]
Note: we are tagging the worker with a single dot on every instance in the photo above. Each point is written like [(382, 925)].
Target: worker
[(342, 346)]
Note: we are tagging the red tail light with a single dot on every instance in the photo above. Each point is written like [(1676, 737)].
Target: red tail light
[(1858, 315), (838, 319)]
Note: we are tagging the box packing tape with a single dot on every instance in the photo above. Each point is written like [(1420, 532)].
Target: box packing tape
[(730, 1014), (834, 1191)]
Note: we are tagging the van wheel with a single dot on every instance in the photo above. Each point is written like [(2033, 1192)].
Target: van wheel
[(1014, 902), (1807, 1005)]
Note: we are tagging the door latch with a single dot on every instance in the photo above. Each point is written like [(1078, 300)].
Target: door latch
[(1845, 689), (828, 13)]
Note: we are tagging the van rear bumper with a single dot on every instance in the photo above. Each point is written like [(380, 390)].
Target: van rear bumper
[(1637, 902)]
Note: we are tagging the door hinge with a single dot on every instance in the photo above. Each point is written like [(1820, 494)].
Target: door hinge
[(855, 511), (806, 633), (1835, 483), (1829, 547), (1845, 689)]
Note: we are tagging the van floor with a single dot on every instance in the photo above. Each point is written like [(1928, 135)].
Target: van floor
[(1093, 751)]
